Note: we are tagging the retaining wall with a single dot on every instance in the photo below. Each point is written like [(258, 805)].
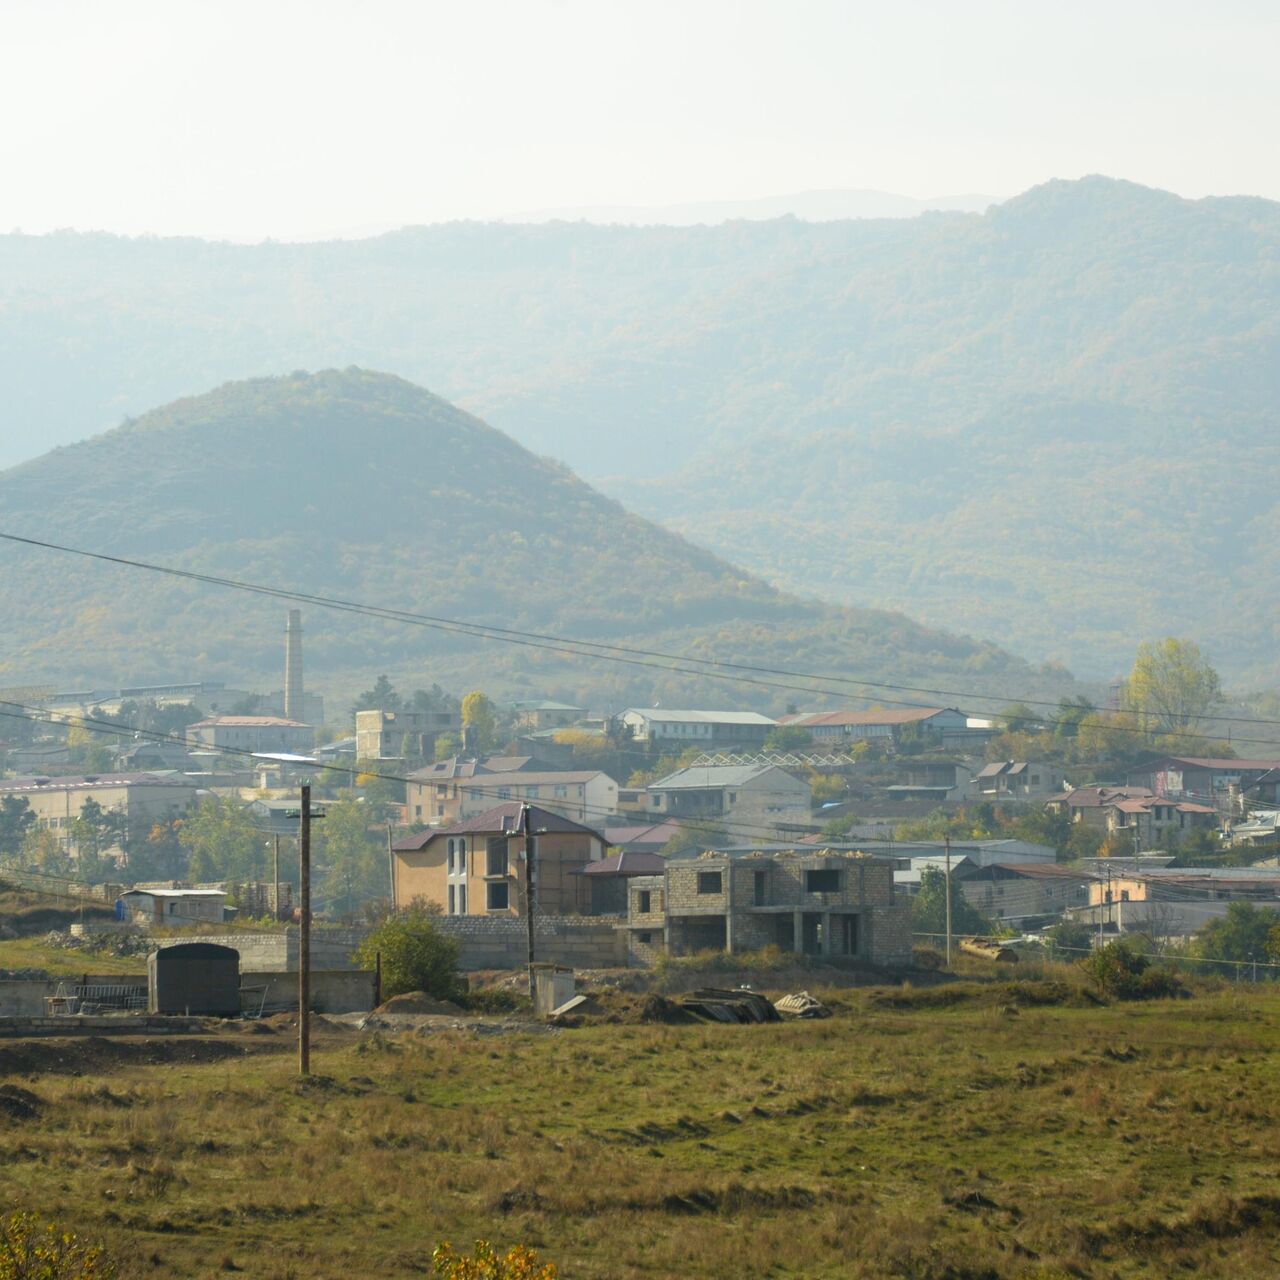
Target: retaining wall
[(502, 942)]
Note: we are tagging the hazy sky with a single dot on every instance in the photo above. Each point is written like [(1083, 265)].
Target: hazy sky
[(285, 119)]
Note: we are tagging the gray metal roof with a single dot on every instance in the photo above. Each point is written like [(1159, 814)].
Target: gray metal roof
[(696, 777)]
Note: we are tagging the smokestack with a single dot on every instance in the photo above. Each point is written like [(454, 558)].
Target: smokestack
[(293, 666)]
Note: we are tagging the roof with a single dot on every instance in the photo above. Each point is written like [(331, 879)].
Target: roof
[(533, 778), (90, 781), (1142, 804), (627, 864), (1208, 762), (177, 893), (700, 717), (467, 767), (248, 722), (643, 832), (905, 715), (1095, 797), (711, 775), (544, 705), (502, 819)]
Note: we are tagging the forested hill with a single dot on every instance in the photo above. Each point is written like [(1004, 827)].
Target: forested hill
[(1053, 423), (363, 486)]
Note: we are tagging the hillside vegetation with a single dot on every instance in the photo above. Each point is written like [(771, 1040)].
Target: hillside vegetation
[(362, 486), (1053, 424)]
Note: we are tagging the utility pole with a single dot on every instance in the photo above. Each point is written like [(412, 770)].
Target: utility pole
[(275, 871), (526, 826), (948, 847), (304, 934), (391, 866)]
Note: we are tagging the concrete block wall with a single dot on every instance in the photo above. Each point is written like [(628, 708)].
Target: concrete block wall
[(891, 935), (501, 942), (332, 990), (278, 951)]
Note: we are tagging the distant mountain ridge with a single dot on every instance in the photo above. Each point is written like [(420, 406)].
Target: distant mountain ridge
[(362, 486), (1053, 423)]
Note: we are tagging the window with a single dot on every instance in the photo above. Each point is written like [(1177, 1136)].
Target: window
[(462, 899), (760, 887), (452, 910), (449, 855), (498, 896), (646, 938), (417, 811), (645, 903), (733, 797), (531, 793), (822, 881), (496, 856), (709, 882), (504, 793), (561, 791)]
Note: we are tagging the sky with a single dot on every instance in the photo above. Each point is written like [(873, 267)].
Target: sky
[(299, 120)]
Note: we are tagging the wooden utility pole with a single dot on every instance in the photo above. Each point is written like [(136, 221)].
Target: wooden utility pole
[(304, 934), (275, 871), (948, 845), (526, 826), (391, 866)]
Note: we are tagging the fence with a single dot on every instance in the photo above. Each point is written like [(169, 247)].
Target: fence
[(1235, 970)]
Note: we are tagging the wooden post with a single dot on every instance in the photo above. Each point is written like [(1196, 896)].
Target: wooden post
[(526, 825), (948, 843), (304, 935)]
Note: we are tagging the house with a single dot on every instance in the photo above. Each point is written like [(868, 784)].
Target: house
[(476, 867), (607, 880), (138, 800), (153, 907), (1015, 780), (812, 902), (432, 795), (1019, 892), (719, 730), (541, 714), (888, 726), (1174, 902), (252, 735), (1153, 821), (585, 795), (937, 781), (1261, 827), (146, 755), (1087, 805), (402, 735), (1229, 786), (640, 837), (755, 798)]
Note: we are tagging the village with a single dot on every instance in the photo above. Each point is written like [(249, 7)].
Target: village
[(539, 833)]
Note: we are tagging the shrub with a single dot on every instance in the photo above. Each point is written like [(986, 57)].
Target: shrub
[(519, 1263), (416, 956), (927, 958), (1121, 971), (32, 1249), (494, 1000)]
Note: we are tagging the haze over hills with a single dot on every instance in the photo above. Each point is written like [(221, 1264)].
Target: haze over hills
[(360, 485), (1053, 423)]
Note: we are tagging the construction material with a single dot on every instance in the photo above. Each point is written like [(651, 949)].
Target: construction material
[(989, 949), (714, 1005), (802, 1005)]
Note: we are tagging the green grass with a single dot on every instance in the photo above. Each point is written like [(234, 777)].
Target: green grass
[(36, 953), (976, 1140)]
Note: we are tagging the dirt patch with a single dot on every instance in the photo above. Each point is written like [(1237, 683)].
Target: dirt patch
[(417, 1002), (19, 1104), (95, 1054), (628, 1008), (30, 922)]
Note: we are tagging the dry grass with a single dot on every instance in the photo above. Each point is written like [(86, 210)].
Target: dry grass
[(985, 1139)]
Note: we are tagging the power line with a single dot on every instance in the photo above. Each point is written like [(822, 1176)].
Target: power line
[(710, 668)]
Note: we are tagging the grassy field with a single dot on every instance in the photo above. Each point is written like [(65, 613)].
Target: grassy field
[(958, 1132)]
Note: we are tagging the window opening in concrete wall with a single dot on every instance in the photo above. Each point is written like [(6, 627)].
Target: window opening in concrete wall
[(760, 887), (822, 881), (496, 856), (499, 898), (709, 882), (646, 902)]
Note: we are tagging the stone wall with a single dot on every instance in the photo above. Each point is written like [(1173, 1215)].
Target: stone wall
[(277, 950)]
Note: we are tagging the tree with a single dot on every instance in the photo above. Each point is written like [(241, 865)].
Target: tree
[(155, 851), (416, 955), (1070, 935), (788, 737), (479, 715), (1172, 687), (41, 848), (382, 697), (1071, 711), (88, 749), (1242, 934), (33, 1249), (1019, 718), (15, 819), (1121, 971), (518, 1263), (221, 842), (929, 907), (352, 861), (448, 745)]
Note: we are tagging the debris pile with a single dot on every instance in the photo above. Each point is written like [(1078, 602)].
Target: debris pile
[(802, 1005), (715, 1005)]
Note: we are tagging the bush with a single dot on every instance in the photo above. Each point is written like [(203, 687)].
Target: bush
[(416, 956), (494, 1000), (519, 1263), (32, 1249), (1121, 971), (927, 958)]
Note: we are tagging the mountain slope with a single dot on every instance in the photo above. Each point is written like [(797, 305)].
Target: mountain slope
[(1053, 423), (362, 486)]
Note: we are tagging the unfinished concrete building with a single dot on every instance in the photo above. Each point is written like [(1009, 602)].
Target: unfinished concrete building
[(815, 903)]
